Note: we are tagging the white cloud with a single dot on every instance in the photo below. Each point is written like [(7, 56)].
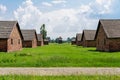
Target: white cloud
[(28, 15), (97, 7), (67, 22), (58, 1), (28, 2), (71, 21), (102, 6), (62, 22), (3, 8), (47, 4), (85, 9), (100, 1)]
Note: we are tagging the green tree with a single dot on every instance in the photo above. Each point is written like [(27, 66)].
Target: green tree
[(43, 31), (68, 39)]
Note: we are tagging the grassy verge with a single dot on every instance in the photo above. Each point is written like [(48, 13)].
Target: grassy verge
[(59, 55), (81, 77)]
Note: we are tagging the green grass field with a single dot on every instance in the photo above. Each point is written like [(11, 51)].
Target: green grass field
[(82, 77), (59, 55)]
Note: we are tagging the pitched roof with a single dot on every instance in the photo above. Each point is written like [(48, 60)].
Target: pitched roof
[(40, 38), (78, 37), (89, 34), (111, 27), (6, 28), (29, 35)]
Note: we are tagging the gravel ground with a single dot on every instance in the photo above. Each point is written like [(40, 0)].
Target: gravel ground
[(59, 71)]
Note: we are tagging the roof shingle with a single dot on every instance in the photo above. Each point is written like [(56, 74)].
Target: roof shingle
[(89, 34), (111, 27), (6, 28), (40, 38), (78, 37), (29, 35)]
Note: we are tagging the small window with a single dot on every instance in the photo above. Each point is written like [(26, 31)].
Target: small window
[(11, 41), (18, 41)]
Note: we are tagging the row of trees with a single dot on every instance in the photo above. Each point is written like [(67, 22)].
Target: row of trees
[(43, 31), (68, 40)]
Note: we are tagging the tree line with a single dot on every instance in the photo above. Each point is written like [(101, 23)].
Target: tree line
[(43, 31)]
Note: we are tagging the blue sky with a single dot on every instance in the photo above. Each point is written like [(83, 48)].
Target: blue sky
[(62, 17)]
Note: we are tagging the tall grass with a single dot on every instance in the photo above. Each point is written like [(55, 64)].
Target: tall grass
[(81, 77), (59, 55)]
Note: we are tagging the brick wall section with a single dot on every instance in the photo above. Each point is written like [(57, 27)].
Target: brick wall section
[(46, 43), (83, 41), (114, 44), (40, 43), (3, 45), (27, 44), (88, 43), (79, 43), (73, 42), (105, 44), (16, 38), (100, 39), (34, 43), (30, 44)]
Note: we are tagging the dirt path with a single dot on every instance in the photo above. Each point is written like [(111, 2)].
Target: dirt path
[(60, 71)]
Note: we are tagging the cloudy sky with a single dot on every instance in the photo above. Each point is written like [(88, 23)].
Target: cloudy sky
[(62, 17)]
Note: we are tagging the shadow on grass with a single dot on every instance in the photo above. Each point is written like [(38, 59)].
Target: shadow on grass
[(93, 51), (103, 51), (77, 46)]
